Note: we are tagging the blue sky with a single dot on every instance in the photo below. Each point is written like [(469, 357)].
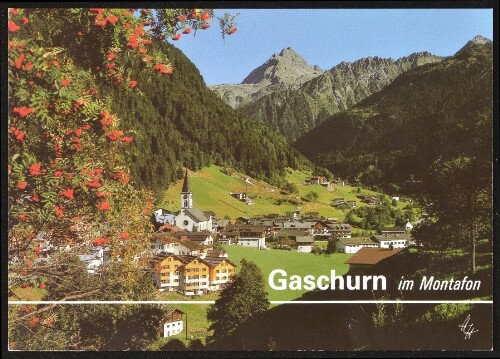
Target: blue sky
[(326, 37)]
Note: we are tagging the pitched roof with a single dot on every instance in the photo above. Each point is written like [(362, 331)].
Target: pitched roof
[(296, 225), (192, 246), (216, 253), (193, 236), (393, 229), (176, 310), (357, 241), (160, 257), (261, 222), (304, 239), (291, 232), (185, 259), (215, 261), (196, 214), (372, 256), (338, 226), (245, 228), (380, 237), (185, 185)]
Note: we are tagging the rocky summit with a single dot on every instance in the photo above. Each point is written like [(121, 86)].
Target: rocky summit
[(476, 40), (282, 71)]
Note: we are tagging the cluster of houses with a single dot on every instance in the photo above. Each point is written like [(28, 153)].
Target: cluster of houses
[(194, 230), (242, 196), (321, 180), (338, 201), (370, 200), (182, 257)]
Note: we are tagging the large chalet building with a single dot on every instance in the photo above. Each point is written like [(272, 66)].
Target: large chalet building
[(191, 275)]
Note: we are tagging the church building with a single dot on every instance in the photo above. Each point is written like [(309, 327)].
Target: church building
[(190, 218)]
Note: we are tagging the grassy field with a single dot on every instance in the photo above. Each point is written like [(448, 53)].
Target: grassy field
[(211, 189), (325, 197), (290, 261)]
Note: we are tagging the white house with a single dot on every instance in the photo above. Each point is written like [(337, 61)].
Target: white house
[(94, 260), (162, 243), (304, 243), (173, 323), (353, 245), (408, 226), (189, 218), (394, 241), (253, 236), (186, 247), (162, 216)]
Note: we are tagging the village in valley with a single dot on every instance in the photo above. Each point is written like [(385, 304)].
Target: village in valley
[(188, 253)]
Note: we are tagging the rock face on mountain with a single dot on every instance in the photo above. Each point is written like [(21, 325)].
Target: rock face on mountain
[(295, 111), (283, 71), (477, 40)]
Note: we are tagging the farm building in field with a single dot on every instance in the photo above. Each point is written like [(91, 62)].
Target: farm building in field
[(173, 323)]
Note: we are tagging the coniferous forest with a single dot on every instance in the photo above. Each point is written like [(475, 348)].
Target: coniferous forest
[(179, 121)]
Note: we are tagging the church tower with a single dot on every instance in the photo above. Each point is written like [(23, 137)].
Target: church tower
[(186, 194)]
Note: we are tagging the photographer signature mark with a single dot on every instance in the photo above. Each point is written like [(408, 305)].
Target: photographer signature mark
[(466, 328)]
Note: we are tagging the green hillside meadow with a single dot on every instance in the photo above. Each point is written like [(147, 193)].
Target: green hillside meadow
[(211, 189)]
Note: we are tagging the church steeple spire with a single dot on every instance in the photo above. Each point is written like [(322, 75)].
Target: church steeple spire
[(185, 185), (186, 194)]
